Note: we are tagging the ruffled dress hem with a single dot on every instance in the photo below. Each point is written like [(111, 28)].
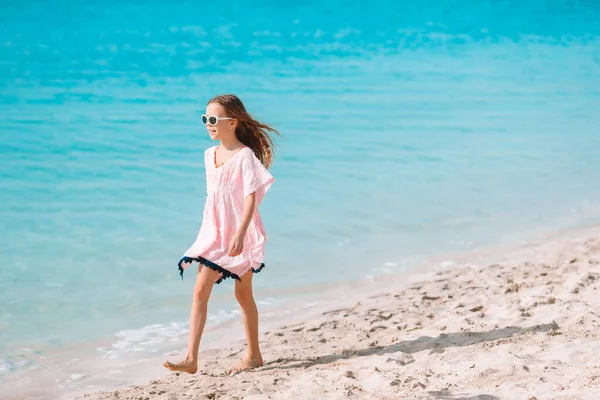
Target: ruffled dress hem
[(215, 267)]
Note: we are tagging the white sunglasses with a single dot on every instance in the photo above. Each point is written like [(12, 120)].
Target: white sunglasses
[(212, 120)]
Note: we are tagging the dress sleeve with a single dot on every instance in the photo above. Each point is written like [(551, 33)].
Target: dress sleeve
[(257, 179)]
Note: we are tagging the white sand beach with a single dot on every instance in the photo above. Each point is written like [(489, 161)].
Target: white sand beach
[(524, 327)]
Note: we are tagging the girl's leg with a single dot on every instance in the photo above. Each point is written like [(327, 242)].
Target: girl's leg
[(245, 297), (205, 280)]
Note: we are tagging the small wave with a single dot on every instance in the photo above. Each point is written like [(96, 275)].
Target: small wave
[(150, 337), (20, 358), (145, 338), (5, 367)]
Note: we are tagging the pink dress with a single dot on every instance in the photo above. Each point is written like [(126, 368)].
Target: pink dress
[(227, 187)]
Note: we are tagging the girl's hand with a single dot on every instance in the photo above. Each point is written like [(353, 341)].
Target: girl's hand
[(236, 245)]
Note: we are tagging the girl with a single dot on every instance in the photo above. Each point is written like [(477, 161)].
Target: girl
[(231, 240)]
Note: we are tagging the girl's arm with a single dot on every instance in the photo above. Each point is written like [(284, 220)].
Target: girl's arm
[(236, 245)]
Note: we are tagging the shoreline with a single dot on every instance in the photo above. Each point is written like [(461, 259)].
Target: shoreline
[(525, 312), (324, 299)]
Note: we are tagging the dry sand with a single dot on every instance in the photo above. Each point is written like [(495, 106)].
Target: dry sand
[(526, 327)]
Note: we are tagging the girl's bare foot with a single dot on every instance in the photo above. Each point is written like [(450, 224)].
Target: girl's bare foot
[(183, 366), (245, 364)]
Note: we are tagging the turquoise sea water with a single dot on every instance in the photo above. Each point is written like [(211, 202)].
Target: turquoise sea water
[(411, 130)]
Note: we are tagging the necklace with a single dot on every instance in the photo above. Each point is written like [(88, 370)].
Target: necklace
[(218, 165), (215, 160)]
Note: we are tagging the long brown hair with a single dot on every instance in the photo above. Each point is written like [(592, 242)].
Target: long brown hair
[(249, 131)]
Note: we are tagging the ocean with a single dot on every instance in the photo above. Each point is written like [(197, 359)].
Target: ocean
[(410, 130)]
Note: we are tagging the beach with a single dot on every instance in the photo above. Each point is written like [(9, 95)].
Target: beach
[(521, 324), (450, 139)]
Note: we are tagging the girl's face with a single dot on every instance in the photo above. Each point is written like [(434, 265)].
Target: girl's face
[(223, 127)]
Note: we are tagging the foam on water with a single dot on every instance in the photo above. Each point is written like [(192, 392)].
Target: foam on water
[(146, 338), (152, 338)]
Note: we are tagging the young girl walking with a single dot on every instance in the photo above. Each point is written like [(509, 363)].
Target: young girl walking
[(232, 238)]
